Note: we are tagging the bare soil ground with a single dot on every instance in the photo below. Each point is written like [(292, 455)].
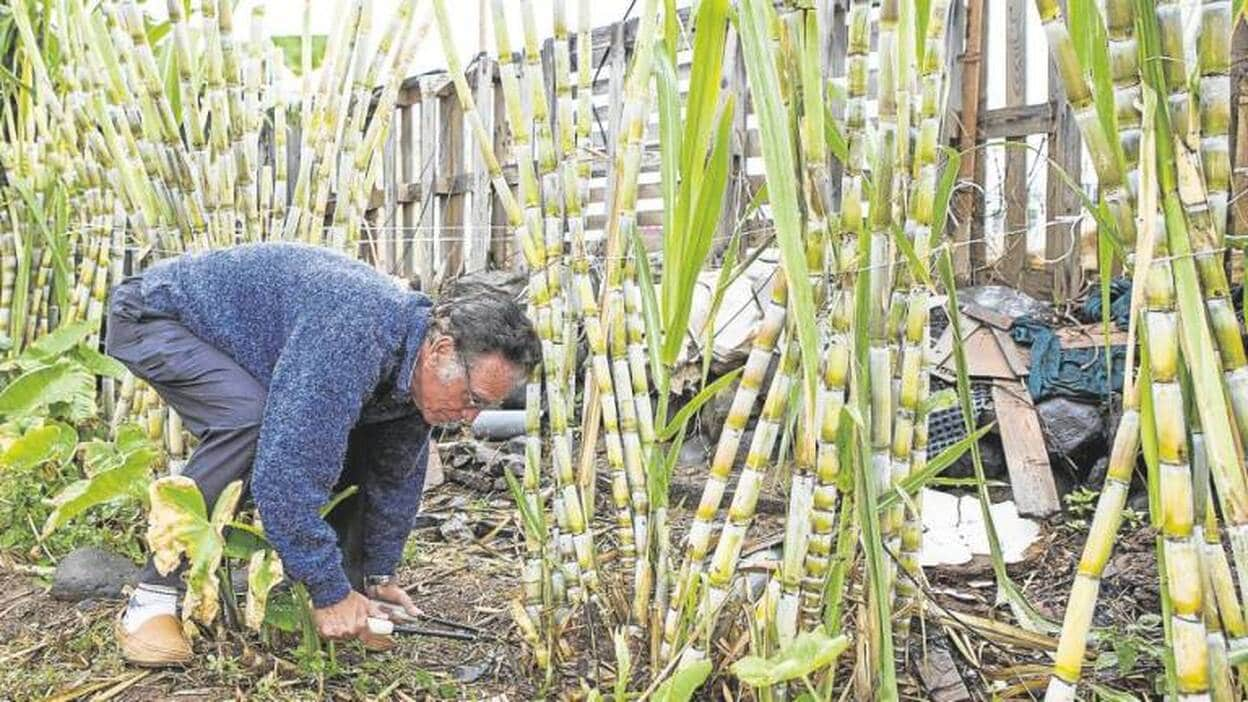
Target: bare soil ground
[(58, 650)]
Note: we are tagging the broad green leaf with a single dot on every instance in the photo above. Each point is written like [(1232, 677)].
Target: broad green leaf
[(178, 526), (284, 613), (61, 340), (98, 363), (703, 396), (242, 540), (38, 445), (291, 47), (128, 481), (64, 382), (264, 572), (809, 652), (683, 683)]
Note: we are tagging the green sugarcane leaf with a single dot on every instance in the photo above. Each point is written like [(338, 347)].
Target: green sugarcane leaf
[(62, 383), (832, 132), (710, 199), (917, 267), (650, 316), (683, 683), (668, 100), (1091, 42), (128, 481), (179, 526), (706, 69), (682, 417), (754, 16), (939, 400), (944, 193), (916, 481), (264, 572), (97, 363), (533, 522)]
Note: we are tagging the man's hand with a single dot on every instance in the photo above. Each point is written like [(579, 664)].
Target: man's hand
[(347, 619), (391, 593)]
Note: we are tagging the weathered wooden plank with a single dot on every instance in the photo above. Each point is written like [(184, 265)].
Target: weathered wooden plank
[(389, 176), (1062, 203), (967, 205), (1026, 456), (449, 244), (428, 167), (477, 233), (1014, 248), (406, 173)]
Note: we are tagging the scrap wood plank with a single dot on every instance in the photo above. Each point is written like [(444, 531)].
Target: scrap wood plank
[(1088, 335), (990, 317), (984, 356), (1018, 357), (1026, 455)]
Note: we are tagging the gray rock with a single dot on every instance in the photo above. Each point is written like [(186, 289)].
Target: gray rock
[(94, 573), (1096, 476), (456, 529), (1069, 426), (515, 445), (470, 673), (694, 451)]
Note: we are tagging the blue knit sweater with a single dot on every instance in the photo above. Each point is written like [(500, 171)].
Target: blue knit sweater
[(334, 341)]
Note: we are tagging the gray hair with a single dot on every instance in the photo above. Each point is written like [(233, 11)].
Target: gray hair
[(484, 319)]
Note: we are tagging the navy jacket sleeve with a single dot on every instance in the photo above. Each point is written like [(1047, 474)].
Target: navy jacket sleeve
[(397, 455), (326, 370)]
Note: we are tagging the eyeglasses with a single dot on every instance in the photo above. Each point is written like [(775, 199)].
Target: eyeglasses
[(471, 399)]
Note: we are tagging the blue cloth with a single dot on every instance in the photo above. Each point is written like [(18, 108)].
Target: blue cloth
[(1075, 373), (334, 343), (1119, 303)]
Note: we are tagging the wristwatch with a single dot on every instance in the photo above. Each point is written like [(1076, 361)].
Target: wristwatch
[(378, 580)]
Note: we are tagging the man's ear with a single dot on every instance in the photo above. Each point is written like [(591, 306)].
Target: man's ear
[(443, 345)]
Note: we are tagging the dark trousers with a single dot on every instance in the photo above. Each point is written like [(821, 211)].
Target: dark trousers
[(220, 403)]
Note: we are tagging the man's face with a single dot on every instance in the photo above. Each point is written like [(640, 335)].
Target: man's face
[(450, 390)]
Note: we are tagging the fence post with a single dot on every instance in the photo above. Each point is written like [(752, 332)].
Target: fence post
[(968, 208), (428, 206), (450, 187), (1014, 247), (1065, 150), (477, 235)]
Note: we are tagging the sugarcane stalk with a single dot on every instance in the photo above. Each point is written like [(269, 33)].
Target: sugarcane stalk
[(565, 479), (915, 337), (1118, 198), (741, 511), (765, 336)]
